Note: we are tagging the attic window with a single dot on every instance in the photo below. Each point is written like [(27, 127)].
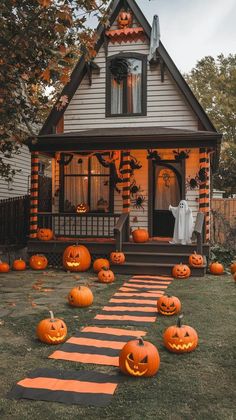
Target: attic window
[(126, 85)]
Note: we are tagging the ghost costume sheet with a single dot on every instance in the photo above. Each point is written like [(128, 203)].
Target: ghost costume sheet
[(183, 223)]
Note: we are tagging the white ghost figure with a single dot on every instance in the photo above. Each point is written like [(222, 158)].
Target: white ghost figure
[(183, 223)]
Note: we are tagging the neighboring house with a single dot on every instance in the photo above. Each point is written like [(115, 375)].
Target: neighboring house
[(127, 136)]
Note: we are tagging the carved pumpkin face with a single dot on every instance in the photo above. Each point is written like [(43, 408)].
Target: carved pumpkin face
[(99, 263), (124, 20), (140, 235), (106, 276), (181, 271), (168, 305), (117, 257), (139, 358), (82, 208), (80, 296), (51, 330), (180, 338), (19, 265), (76, 258), (38, 262), (233, 268), (196, 260), (4, 267), (216, 268), (45, 234)]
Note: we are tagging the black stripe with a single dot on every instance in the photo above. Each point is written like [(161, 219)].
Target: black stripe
[(33, 206), (82, 375), (136, 298), (125, 197), (34, 173), (107, 337), (203, 205), (127, 313), (79, 348), (126, 171), (144, 288), (126, 206), (120, 322)]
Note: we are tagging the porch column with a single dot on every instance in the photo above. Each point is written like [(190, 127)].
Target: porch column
[(204, 191), (34, 194), (126, 171)]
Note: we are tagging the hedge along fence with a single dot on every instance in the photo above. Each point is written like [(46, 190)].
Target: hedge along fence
[(14, 221), (223, 225)]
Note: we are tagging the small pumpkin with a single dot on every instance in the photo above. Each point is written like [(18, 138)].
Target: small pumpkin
[(76, 258), (168, 305), (139, 358), (216, 268), (196, 260), (124, 19), (140, 235), (4, 267), (38, 262), (106, 276), (181, 271), (117, 257), (51, 330), (82, 208), (99, 263), (80, 296), (44, 234), (233, 268), (180, 338), (19, 265), (234, 276)]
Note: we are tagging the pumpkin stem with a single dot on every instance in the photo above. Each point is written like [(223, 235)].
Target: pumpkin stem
[(179, 321), (52, 316), (140, 341), (105, 268)]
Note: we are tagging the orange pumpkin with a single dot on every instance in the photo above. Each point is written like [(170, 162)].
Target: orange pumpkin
[(99, 263), (124, 19), (180, 338), (82, 208), (168, 305), (117, 257), (140, 235), (139, 358), (45, 234), (19, 265), (233, 268), (106, 276), (51, 330), (4, 267), (38, 262), (234, 276), (76, 258), (216, 268), (80, 296), (196, 260), (181, 271)]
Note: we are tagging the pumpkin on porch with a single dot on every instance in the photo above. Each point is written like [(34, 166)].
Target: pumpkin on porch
[(140, 235), (99, 263), (38, 262), (168, 305), (19, 265), (80, 296), (180, 338), (117, 257), (139, 358), (4, 267), (106, 276), (181, 271), (82, 208), (233, 268), (76, 258), (124, 20), (44, 234), (196, 260), (216, 268), (51, 330)]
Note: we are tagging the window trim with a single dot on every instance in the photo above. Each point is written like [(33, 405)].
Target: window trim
[(138, 56)]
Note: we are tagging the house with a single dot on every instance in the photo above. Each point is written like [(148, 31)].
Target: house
[(126, 138)]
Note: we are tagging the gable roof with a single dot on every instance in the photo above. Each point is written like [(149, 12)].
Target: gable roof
[(81, 69)]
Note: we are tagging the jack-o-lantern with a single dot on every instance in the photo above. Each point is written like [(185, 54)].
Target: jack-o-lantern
[(139, 358), (51, 330), (181, 271), (196, 260), (168, 305), (76, 258), (82, 208), (180, 338), (106, 276), (80, 296), (124, 20), (99, 263), (45, 234), (233, 268), (4, 267), (117, 257), (140, 235), (19, 265), (38, 262), (216, 268)]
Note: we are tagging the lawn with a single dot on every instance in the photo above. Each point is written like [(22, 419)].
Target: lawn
[(199, 385)]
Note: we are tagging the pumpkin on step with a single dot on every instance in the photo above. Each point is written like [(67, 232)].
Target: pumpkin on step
[(216, 268), (80, 296), (38, 262), (117, 257), (168, 305), (76, 258), (106, 276), (19, 265), (44, 234), (180, 338), (4, 267), (181, 271), (196, 260), (140, 235), (51, 330), (99, 263)]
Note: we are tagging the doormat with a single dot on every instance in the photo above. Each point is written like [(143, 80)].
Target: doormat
[(97, 345), (68, 387)]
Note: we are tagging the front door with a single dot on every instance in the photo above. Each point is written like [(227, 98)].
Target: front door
[(167, 189)]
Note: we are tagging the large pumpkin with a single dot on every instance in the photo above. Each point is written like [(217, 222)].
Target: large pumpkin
[(216, 268), (4, 267), (180, 338), (181, 271), (38, 262), (76, 258), (168, 305), (99, 263), (44, 234), (140, 235), (139, 358), (233, 268), (124, 19), (51, 330), (196, 260), (19, 265), (80, 296), (106, 276), (117, 257)]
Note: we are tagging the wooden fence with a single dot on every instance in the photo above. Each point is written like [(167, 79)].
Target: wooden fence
[(14, 221), (223, 226)]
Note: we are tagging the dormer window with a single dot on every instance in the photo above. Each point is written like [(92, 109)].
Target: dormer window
[(126, 85)]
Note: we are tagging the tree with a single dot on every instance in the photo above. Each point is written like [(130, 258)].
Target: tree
[(41, 41)]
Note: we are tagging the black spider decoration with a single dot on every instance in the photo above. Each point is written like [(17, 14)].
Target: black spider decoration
[(184, 154), (134, 188), (153, 155), (202, 175), (138, 202)]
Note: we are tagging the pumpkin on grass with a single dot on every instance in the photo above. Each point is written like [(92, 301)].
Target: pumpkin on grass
[(44, 234), (168, 305), (117, 257), (196, 260), (234, 276), (80, 296), (233, 268), (4, 267), (99, 263), (106, 275), (140, 235), (19, 265), (38, 262), (216, 268), (51, 330), (76, 258), (139, 358), (181, 271), (180, 338)]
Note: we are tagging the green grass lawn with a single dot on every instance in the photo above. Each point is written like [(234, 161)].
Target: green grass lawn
[(199, 385)]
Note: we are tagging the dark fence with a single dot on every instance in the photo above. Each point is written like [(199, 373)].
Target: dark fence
[(14, 221)]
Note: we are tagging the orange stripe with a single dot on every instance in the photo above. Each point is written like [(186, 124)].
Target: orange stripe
[(140, 294), (147, 282), (152, 277), (54, 384), (140, 286), (85, 358), (128, 308), (126, 318), (97, 343), (133, 301), (113, 331)]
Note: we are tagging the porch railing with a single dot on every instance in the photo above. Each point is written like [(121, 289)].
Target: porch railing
[(92, 225), (121, 231)]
